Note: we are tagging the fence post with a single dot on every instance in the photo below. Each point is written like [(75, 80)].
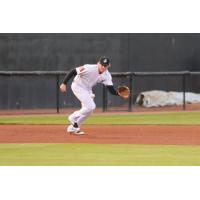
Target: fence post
[(57, 93), (130, 106), (105, 99), (184, 80)]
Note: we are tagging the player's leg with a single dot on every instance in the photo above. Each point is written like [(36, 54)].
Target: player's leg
[(88, 105), (86, 110)]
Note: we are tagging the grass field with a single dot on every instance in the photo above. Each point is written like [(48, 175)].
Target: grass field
[(98, 155), (102, 154), (115, 119)]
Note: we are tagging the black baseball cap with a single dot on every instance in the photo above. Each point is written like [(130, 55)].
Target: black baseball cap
[(104, 61)]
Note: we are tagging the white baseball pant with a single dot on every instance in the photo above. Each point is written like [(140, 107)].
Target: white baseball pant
[(86, 98)]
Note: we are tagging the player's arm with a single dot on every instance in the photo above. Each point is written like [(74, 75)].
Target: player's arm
[(112, 90), (63, 86)]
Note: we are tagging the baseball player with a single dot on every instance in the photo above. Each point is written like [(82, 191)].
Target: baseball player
[(86, 77)]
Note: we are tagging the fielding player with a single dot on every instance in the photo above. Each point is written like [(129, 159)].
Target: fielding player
[(86, 77)]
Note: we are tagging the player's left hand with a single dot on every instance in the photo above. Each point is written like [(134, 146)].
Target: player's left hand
[(124, 92), (63, 87)]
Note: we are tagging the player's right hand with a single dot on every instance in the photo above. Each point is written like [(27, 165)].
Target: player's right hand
[(63, 87)]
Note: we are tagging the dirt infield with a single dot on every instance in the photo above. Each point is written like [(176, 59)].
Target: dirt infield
[(104, 134)]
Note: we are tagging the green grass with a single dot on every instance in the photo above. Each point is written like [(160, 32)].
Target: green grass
[(98, 155), (102, 154), (187, 118)]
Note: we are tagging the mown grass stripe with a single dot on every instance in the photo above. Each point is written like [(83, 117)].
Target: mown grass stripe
[(178, 118), (98, 155)]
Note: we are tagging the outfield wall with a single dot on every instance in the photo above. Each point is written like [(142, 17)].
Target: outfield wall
[(128, 52)]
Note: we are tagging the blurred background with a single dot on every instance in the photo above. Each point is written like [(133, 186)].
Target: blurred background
[(128, 52)]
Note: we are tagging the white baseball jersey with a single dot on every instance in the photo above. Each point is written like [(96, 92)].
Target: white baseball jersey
[(88, 76)]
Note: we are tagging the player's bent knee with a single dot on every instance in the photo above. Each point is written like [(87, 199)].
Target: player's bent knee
[(91, 108)]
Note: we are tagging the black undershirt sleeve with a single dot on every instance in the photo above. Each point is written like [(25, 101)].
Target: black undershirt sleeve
[(69, 76), (112, 90)]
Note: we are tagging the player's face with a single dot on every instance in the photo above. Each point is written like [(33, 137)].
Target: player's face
[(102, 68)]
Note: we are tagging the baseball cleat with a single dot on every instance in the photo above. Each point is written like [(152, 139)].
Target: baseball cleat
[(73, 130), (77, 133)]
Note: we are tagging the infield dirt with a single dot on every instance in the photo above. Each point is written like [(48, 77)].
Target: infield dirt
[(104, 134)]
